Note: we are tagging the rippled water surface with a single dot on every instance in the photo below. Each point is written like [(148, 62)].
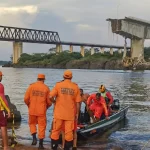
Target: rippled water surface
[(132, 88)]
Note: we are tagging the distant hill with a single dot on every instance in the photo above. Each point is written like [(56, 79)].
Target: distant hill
[(3, 62)]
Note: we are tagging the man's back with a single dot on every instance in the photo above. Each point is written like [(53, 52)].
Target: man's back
[(37, 96), (67, 93)]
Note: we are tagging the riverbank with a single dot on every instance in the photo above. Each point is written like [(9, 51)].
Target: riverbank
[(84, 64), (75, 60)]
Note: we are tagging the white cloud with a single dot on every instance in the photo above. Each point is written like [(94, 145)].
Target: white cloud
[(21, 16), (27, 9), (87, 27)]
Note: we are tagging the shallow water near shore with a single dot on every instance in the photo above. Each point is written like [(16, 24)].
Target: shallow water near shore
[(132, 88)]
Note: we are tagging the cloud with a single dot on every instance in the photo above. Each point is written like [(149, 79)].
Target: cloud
[(87, 27), (26, 9), (21, 16)]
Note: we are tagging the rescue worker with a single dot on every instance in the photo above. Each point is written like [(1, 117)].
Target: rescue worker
[(106, 94), (37, 100), (97, 105), (3, 118), (66, 110)]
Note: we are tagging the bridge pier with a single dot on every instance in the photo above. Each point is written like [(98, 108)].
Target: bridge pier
[(111, 51), (92, 50), (120, 51), (71, 49), (82, 51), (58, 48), (102, 50), (137, 48), (17, 51), (135, 29)]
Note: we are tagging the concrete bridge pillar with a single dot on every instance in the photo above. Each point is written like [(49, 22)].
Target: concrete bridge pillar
[(17, 51), (111, 51), (71, 49), (102, 50), (119, 51), (82, 51), (92, 50), (58, 48), (137, 48)]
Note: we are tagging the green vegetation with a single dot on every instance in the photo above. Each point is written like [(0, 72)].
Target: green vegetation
[(65, 57)]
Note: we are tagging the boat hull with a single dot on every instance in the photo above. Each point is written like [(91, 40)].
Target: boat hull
[(101, 126)]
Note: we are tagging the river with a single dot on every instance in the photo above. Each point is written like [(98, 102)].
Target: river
[(132, 88)]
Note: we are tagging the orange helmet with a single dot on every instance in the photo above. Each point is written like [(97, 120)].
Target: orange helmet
[(102, 88), (41, 76), (67, 74)]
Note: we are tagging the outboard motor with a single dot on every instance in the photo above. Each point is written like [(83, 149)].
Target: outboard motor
[(115, 105)]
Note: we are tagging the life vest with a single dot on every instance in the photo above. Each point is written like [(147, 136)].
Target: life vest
[(104, 94), (107, 100)]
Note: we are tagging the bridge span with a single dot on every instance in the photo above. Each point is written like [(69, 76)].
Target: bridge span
[(19, 35)]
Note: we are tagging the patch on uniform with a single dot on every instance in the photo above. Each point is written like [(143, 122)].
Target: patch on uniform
[(67, 91)]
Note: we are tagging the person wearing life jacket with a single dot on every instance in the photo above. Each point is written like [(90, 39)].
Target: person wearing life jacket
[(106, 94), (96, 106), (37, 100), (3, 118), (66, 110)]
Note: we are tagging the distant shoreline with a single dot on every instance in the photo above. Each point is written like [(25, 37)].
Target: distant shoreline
[(78, 64)]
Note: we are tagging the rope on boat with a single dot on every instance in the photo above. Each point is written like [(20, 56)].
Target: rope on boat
[(13, 138)]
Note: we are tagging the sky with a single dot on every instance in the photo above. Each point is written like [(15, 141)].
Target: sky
[(74, 20)]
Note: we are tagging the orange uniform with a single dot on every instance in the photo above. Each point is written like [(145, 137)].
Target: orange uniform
[(67, 94), (97, 106), (37, 100)]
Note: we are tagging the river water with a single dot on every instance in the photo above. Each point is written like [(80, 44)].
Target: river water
[(132, 88)]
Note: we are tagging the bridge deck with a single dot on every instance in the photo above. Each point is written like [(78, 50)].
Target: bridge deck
[(40, 36)]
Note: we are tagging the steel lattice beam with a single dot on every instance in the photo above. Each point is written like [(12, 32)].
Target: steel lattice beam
[(28, 35)]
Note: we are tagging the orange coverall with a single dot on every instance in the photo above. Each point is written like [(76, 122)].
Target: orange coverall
[(97, 106), (37, 100), (67, 94)]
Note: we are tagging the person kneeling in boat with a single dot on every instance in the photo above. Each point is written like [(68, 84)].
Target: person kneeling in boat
[(96, 105), (106, 94)]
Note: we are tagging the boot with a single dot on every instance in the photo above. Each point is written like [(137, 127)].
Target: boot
[(54, 144), (34, 141), (41, 144), (74, 148), (68, 145)]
